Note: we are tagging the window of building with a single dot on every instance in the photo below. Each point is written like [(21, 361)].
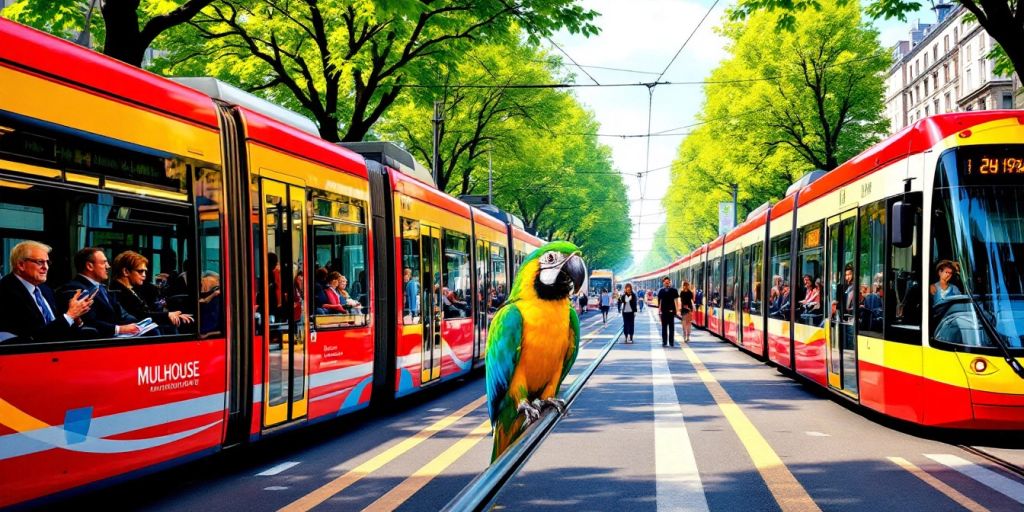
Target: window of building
[(949, 103), (945, 43), (926, 61), (936, 105), (945, 72), (935, 53), (1007, 100), (935, 80), (955, 36), (927, 111)]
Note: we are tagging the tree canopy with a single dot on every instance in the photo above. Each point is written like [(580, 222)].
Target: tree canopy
[(1002, 19), (780, 106)]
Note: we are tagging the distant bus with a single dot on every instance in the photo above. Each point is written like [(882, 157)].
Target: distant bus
[(601, 279)]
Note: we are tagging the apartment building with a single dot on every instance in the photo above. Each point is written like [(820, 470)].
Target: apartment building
[(943, 67)]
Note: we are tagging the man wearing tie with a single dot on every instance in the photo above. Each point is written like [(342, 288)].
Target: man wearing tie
[(106, 315), (30, 309)]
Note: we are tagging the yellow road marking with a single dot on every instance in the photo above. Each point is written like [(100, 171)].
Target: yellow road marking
[(787, 491), (939, 485), (339, 484), (400, 494)]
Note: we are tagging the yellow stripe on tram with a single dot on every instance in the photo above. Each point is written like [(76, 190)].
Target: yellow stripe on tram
[(400, 494), (939, 485), (341, 483), (787, 491), (18, 420)]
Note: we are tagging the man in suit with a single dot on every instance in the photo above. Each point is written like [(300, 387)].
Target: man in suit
[(30, 309), (106, 315)]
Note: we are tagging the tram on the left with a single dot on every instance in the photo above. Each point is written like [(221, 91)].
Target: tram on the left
[(315, 280)]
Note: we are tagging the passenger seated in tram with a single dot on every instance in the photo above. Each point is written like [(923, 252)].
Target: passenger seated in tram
[(210, 303), (320, 291), (454, 307), (106, 315), (31, 311), (346, 300), (332, 292), (130, 270)]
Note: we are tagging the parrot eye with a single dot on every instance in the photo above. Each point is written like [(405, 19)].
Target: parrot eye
[(549, 258)]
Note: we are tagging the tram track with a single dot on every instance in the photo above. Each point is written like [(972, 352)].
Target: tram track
[(481, 493), (995, 459)]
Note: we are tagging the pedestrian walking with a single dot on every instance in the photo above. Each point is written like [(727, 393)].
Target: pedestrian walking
[(686, 308), (628, 305), (582, 301), (668, 304), (641, 299), (606, 304)]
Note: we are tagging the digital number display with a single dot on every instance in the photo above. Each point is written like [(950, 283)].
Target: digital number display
[(990, 165)]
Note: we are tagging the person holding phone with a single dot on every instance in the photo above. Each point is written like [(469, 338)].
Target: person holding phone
[(30, 308), (130, 271)]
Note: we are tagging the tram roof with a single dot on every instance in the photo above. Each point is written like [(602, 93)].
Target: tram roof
[(101, 75), (916, 138), (301, 144)]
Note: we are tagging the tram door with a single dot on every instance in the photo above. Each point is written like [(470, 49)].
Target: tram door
[(281, 303), (430, 303), (841, 329)]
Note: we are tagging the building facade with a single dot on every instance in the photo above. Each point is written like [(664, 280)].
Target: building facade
[(944, 68)]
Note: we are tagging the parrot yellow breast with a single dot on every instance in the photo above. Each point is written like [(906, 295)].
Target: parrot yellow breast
[(546, 338)]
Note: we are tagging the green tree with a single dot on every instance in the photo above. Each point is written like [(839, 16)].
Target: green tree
[(781, 105), (127, 27), (478, 118), (345, 62), (1002, 19)]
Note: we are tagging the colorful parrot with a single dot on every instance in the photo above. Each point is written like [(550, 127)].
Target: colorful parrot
[(533, 341)]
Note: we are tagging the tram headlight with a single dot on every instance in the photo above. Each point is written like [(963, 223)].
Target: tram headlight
[(979, 366)]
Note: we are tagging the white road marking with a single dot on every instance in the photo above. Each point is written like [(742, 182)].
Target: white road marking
[(678, 482), (818, 434), (1000, 483), (284, 466), (275, 488), (437, 409)]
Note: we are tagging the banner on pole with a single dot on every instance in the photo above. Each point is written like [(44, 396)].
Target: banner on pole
[(726, 217)]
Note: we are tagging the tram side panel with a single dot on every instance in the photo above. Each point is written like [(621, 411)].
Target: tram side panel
[(114, 405)]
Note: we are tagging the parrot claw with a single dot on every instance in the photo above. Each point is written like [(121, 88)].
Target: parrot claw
[(531, 412), (557, 403)]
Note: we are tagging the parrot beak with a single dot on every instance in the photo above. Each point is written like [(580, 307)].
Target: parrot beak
[(576, 269)]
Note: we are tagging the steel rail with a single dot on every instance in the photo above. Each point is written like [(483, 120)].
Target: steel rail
[(1005, 464), (480, 494)]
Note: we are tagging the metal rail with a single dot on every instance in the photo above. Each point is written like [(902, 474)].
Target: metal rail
[(484, 489), (1007, 465)]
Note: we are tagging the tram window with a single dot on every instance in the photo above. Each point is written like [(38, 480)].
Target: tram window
[(870, 311), (903, 284), (411, 279), (715, 286), (809, 291), (339, 283), (754, 286), (780, 272), (456, 289), (499, 276), (208, 189)]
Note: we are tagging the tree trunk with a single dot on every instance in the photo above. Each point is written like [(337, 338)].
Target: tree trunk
[(123, 41)]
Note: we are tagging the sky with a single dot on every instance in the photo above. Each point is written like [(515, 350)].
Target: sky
[(644, 35)]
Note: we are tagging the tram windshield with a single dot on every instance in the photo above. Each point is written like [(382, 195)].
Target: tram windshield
[(977, 283), (599, 284)]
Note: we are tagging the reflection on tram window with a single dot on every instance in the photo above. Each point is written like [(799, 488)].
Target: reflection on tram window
[(456, 289)]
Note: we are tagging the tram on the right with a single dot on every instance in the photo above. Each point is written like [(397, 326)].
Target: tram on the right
[(895, 281)]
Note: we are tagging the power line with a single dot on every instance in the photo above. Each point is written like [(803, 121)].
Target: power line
[(606, 68), (687, 40)]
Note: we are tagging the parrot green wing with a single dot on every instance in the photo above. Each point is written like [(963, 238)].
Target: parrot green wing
[(504, 344), (574, 348)]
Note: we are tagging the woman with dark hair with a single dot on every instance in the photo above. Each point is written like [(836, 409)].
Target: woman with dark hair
[(627, 305), (129, 273), (942, 289)]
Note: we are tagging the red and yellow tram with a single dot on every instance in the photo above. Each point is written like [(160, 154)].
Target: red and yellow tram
[(247, 218), (894, 280)]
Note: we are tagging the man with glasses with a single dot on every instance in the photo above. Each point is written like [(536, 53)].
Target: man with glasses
[(29, 306), (106, 316)]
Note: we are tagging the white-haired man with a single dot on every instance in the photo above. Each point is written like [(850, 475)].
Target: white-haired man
[(30, 309)]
